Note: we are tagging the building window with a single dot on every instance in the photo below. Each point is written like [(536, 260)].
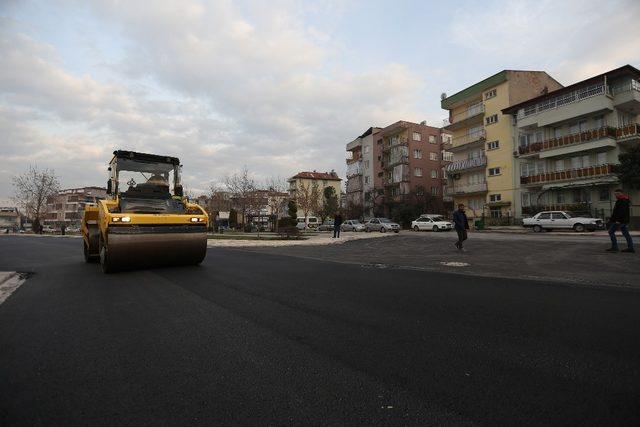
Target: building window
[(419, 190), (417, 136), (493, 145), (559, 165), (434, 173), (433, 156), (447, 156), (495, 212), (367, 179), (604, 194), (417, 171), (495, 197), (432, 139), (491, 94), (601, 158), (560, 197), (434, 191), (366, 164), (494, 171), (598, 122), (491, 119), (526, 199), (417, 154), (366, 149)]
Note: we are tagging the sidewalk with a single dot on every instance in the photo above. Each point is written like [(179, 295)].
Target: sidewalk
[(515, 229)]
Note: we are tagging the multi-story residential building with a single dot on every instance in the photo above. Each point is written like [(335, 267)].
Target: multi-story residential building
[(360, 171), (482, 172), (303, 185), (409, 158), (569, 139), (67, 207), (9, 218)]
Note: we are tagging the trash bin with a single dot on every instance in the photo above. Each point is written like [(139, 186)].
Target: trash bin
[(479, 224)]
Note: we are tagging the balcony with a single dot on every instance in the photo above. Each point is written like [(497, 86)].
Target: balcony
[(569, 174), (567, 106), (626, 95), (398, 143), (395, 161), (628, 134), (405, 177), (354, 184), (466, 164), (470, 140), (354, 168), (462, 189), (571, 143), (469, 117)]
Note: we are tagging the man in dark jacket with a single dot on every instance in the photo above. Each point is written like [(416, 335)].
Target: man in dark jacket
[(620, 220), (461, 225), (337, 222)]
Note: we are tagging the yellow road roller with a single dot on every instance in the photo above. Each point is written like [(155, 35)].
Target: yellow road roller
[(145, 220)]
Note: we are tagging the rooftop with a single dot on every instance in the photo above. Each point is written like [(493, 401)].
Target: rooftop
[(330, 176), (626, 70)]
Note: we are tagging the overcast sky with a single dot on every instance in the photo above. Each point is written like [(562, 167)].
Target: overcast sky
[(278, 86)]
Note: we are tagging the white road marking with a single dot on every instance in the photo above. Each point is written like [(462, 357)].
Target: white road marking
[(9, 282), (455, 264)]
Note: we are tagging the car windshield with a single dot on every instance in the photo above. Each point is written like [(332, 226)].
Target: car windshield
[(437, 218), (568, 215), (354, 222), (385, 220), (133, 173)]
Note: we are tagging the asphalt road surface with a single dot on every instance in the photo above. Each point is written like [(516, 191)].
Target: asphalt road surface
[(257, 338)]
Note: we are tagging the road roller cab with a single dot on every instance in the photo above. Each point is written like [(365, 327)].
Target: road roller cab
[(145, 221)]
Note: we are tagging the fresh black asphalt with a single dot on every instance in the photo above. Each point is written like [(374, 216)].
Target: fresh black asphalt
[(251, 338)]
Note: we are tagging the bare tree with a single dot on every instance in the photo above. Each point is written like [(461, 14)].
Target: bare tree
[(308, 198), (277, 197), (243, 190), (31, 190)]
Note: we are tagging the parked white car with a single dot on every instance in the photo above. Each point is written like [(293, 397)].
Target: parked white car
[(311, 222), (556, 220), (431, 222), (382, 225), (352, 225)]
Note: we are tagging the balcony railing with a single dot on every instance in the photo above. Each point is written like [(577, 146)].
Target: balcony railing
[(456, 189), (624, 133), (465, 164), (398, 143), (469, 138), (626, 87), (562, 141), (403, 178), (464, 115), (586, 172), (396, 160), (564, 99)]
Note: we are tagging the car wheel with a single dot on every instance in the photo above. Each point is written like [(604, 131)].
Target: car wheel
[(579, 228), (383, 230), (416, 228), (435, 228), (537, 228)]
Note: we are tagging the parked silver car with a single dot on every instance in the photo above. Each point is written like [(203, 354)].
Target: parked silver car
[(555, 220), (352, 225), (327, 225), (382, 225)]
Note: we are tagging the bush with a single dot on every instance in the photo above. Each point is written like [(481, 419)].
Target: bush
[(289, 232), (286, 222)]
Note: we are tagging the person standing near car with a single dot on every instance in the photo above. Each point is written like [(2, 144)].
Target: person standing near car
[(461, 224), (337, 222), (620, 220)]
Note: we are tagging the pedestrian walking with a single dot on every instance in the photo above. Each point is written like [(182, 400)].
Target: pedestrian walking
[(620, 220), (461, 224), (337, 222)]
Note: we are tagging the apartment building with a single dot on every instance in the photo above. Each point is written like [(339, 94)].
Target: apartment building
[(570, 138), (67, 207), (304, 185), (482, 174), (408, 164), (360, 171), (9, 218)]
